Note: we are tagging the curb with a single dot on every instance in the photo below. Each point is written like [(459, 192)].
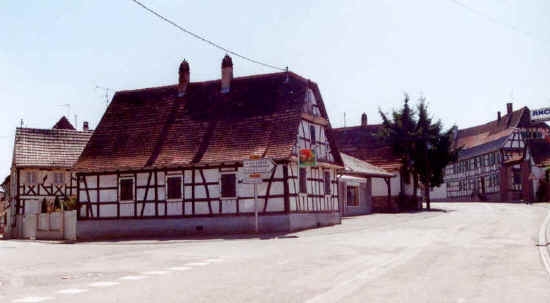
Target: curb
[(542, 243)]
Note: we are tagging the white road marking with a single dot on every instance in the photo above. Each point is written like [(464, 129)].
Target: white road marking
[(133, 278), (543, 250), (196, 264), (103, 284), (33, 299), (71, 291), (180, 268), (155, 272)]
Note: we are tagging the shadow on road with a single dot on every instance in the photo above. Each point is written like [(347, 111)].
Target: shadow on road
[(167, 239)]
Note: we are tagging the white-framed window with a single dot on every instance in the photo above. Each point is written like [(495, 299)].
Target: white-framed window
[(174, 187), (352, 195), (31, 177), (228, 185), (59, 178), (126, 189)]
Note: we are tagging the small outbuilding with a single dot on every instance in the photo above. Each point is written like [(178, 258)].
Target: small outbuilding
[(355, 185)]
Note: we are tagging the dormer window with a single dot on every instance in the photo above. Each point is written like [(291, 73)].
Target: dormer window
[(310, 104)]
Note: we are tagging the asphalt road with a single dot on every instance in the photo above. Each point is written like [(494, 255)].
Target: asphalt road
[(463, 253)]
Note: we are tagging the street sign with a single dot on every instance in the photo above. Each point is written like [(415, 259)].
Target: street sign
[(541, 114), (254, 171), (259, 166), (253, 178)]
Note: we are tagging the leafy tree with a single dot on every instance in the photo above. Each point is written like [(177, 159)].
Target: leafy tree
[(422, 145), (432, 150), (399, 133)]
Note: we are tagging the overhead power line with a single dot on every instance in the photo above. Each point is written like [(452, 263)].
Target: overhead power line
[(493, 19), (216, 45)]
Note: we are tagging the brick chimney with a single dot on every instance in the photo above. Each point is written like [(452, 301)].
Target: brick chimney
[(364, 120), (499, 116), (85, 126), (509, 108), (227, 74), (184, 76)]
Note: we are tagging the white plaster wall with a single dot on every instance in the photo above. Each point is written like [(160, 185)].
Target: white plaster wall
[(380, 188), (108, 180), (33, 207), (69, 226), (439, 192)]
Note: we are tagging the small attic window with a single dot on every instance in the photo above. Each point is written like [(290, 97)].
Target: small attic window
[(225, 90), (310, 104)]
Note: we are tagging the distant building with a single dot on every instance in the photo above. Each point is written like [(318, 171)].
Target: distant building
[(41, 170), (500, 160), (169, 159), (363, 142)]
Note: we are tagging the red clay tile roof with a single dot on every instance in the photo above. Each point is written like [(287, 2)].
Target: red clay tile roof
[(153, 128), (365, 144), (63, 123), (51, 148), (492, 135), (357, 167)]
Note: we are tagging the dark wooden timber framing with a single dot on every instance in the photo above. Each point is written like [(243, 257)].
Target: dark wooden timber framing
[(388, 184), (268, 190), (146, 193), (206, 191), (286, 189), (317, 201)]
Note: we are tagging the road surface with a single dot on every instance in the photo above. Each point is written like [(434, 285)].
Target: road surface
[(469, 252)]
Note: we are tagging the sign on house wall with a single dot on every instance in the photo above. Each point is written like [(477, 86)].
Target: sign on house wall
[(541, 114), (308, 157)]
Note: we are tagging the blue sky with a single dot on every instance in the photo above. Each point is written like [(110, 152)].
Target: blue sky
[(363, 54)]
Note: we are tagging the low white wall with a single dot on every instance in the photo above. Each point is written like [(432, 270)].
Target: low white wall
[(29, 226), (50, 226), (439, 193), (69, 225)]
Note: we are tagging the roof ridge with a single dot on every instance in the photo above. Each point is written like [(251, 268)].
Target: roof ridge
[(247, 77), (507, 116), (357, 127)]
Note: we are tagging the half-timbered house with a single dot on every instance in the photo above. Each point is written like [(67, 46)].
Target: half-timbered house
[(363, 142), (41, 169), (168, 159), (495, 163)]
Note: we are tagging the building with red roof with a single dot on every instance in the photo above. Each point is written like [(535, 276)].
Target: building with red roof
[(365, 143), (170, 158), (498, 159)]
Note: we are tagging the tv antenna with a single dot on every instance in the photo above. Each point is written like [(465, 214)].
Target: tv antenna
[(106, 90)]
